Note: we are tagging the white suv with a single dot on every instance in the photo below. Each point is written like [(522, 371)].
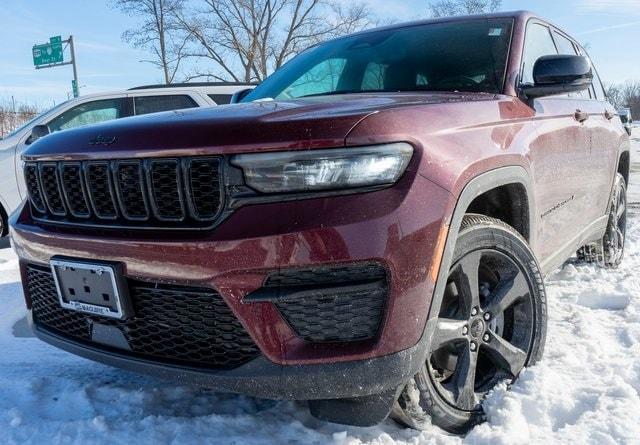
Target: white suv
[(92, 109)]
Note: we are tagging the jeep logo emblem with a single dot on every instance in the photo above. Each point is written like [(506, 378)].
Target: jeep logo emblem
[(103, 140)]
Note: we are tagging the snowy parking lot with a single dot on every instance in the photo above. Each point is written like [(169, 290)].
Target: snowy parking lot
[(586, 390)]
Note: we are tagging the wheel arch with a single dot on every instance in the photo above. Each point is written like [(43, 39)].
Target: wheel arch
[(474, 188)]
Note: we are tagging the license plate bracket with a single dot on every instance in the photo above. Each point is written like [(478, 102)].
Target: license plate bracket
[(92, 288)]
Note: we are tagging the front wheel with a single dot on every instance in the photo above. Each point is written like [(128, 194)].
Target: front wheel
[(490, 324)]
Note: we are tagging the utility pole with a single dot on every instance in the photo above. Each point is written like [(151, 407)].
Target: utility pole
[(76, 85)]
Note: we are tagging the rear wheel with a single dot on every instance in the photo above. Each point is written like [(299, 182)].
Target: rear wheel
[(4, 226), (610, 250), (491, 323)]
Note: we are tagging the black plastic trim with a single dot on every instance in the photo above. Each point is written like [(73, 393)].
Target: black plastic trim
[(115, 171), (41, 167), (263, 378), (85, 167)]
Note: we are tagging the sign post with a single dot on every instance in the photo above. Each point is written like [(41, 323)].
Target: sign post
[(49, 55)]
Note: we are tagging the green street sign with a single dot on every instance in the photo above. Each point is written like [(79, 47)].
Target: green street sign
[(48, 53), (74, 88)]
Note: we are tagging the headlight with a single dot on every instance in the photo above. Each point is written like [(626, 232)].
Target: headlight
[(303, 171)]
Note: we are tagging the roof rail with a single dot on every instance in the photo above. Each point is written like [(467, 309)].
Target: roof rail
[(193, 84)]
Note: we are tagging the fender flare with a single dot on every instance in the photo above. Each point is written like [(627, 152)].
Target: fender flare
[(476, 186)]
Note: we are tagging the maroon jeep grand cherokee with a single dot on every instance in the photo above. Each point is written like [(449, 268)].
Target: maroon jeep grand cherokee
[(367, 231)]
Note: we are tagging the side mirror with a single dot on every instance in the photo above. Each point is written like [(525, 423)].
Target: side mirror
[(239, 95), (558, 74), (37, 132)]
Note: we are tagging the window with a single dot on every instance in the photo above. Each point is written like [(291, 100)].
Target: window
[(565, 46), (538, 43), (466, 55), (322, 78), (90, 113), (220, 99), (156, 104), (597, 90)]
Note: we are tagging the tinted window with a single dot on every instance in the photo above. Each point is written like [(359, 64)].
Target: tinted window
[(457, 56), (597, 84), (156, 104), (596, 88), (565, 46), (538, 43), (90, 113), (221, 99)]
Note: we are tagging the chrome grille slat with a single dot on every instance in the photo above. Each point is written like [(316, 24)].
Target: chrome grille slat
[(172, 193)]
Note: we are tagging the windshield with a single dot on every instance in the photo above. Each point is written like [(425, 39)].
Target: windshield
[(34, 119), (456, 56)]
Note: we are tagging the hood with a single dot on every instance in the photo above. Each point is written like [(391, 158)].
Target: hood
[(323, 121)]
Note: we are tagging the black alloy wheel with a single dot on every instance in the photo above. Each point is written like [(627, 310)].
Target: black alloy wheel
[(490, 324)]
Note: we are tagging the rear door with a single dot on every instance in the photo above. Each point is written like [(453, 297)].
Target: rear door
[(604, 137)]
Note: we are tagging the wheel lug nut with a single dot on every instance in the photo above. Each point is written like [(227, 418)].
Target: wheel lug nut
[(486, 337), (474, 311), (465, 330), (487, 316), (473, 346)]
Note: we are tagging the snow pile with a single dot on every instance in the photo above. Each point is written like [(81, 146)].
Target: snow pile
[(586, 390)]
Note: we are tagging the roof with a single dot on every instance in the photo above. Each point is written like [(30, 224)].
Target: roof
[(518, 15), (193, 84)]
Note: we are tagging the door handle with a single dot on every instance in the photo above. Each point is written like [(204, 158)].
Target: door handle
[(581, 116), (609, 114)]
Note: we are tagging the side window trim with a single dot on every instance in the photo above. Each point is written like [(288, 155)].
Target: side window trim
[(530, 22)]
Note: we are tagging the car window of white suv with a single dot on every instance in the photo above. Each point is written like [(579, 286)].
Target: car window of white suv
[(89, 113), (156, 104)]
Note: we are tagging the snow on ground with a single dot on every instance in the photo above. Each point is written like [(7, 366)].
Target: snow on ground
[(586, 390)]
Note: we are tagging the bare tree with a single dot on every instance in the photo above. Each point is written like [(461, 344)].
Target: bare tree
[(13, 115), (158, 33), (626, 95), (246, 40), (445, 8), (614, 94)]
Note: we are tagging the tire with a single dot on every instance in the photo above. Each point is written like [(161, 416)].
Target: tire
[(505, 317), (609, 252), (4, 223)]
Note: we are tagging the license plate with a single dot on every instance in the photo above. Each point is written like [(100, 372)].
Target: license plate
[(91, 288)]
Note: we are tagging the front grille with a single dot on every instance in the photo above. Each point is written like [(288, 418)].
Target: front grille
[(175, 193), (330, 303), (172, 324)]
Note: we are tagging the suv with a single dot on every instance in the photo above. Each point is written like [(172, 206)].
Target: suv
[(627, 120), (367, 230), (95, 108)]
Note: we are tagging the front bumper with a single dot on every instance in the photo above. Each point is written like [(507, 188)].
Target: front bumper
[(265, 379), (402, 227)]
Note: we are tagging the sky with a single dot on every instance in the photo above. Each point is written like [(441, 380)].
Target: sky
[(609, 28)]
